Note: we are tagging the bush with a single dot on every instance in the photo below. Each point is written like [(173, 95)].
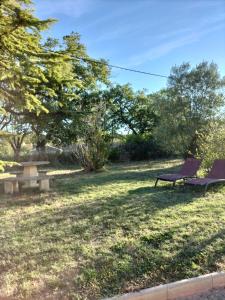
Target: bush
[(67, 158), (212, 145), (136, 148), (56, 159), (92, 155), (92, 151), (142, 147), (118, 153), (114, 154), (6, 152)]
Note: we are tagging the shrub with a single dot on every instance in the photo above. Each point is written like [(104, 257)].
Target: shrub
[(136, 148), (114, 154), (141, 147), (67, 158), (93, 154), (93, 149), (212, 145)]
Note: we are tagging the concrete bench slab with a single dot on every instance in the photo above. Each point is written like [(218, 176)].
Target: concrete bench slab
[(11, 184)]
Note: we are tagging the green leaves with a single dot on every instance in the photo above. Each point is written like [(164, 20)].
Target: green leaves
[(4, 164), (211, 146), (131, 110), (191, 101), (23, 60)]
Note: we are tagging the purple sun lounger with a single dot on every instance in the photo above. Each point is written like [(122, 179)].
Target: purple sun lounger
[(189, 169), (215, 175)]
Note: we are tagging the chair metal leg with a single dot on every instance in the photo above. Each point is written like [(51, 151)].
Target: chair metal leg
[(205, 190), (156, 182)]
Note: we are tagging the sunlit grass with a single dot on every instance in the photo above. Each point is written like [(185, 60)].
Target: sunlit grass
[(96, 235)]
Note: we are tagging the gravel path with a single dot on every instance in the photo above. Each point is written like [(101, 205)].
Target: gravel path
[(215, 294)]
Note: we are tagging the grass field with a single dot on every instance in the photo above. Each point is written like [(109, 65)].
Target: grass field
[(97, 235)]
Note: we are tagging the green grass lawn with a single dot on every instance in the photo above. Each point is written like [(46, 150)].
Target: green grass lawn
[(97, 235)]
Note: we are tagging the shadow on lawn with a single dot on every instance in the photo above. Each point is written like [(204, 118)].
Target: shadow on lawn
[(193, 258), (117, 268), (128, 266), (106, 213), (79, 181), (115, 211), (104, 178), (137, 260), (147, 265)]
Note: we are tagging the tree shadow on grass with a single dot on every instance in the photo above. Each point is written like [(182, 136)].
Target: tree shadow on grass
[(134, 259), (80, 182), (197, 257), (126, 261), (103, 217), (101, 179), (133, 203), (148, 265), (129, 266)]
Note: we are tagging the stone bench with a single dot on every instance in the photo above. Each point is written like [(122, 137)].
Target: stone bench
[(43, 172), (17, 173), (11, 184), (20, 173)]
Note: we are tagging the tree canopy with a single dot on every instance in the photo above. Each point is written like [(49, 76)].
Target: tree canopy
[(73, 81), (129, 109), (194, 97), (21, 56)]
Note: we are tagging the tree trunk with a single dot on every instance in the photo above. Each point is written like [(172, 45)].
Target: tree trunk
[(41, 145), (41, 149), (17, 154), (16, 144)]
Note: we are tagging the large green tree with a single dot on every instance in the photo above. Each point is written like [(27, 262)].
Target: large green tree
[(42, 84), (75, 84), (130, 110), (194, 97), (22, 59), (20, 50)]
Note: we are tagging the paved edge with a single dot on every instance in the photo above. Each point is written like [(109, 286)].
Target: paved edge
[(182, 288)]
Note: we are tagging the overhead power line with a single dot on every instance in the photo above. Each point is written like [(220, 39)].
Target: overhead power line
[(119, 67)]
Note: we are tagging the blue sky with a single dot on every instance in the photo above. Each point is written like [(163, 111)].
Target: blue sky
[(148, 35)]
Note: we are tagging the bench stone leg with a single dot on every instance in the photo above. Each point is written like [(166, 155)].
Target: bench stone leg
[(30, 171), (44, 185), (15, 186), (8, 187)]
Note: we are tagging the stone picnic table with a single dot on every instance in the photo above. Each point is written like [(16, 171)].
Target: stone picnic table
[(29, 177), (30, 169)]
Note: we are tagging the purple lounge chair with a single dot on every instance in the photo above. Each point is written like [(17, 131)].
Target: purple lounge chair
[(215, 175), (189, 169)]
